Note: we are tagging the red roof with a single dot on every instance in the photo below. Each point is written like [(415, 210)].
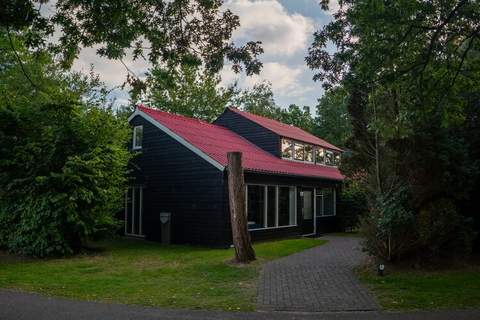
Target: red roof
[(215, 141), (285, 130)]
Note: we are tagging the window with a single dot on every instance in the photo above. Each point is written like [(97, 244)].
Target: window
[(270, 206), (137, 137), (319, 155), (325, 202), (134, 211), (287, 149), (329, 158), (286, 206), (308, 153), (299, 151), (256, 206), (337, 159)]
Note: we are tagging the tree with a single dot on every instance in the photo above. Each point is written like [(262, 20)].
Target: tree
[(188, 91), (166, 32), (410, 69), (332, 121), (259, 100), (238, 212), (62, 155)]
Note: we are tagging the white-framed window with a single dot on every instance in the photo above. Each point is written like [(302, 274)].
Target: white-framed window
[(287, 146), (134, 211), (304, 152), (271, 206), (325, 202), (137, 137)]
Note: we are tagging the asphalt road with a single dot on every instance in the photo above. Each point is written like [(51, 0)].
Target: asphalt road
[(16, 305)]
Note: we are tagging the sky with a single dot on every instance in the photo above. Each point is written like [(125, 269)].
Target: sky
[(285, 28)]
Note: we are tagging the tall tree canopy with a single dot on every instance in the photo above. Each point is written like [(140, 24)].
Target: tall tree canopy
[(165, 32), (411, 70), (189, 91)]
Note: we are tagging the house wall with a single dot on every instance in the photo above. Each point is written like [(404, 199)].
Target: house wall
[(178, 181), (253, 132)]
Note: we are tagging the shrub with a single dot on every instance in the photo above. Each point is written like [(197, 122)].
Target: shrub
[(62, 175), (443, 232), (388, 227), (351, 206)]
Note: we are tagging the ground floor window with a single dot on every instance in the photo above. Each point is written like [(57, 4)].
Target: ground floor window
[(134, 211), (325, 202), (271, 206)]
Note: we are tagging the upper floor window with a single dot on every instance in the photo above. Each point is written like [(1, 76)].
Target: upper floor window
[(329, 158), (287, 149), (299, 151), (320, 155), (308, 153), (137, 137)]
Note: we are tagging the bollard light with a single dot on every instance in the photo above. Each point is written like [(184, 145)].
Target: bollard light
[(381, 269)]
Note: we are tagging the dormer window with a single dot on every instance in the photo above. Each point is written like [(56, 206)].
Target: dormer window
[(308, 153), (287, 148), (137, 137), (299, 151), (319, 155), (329, 160)]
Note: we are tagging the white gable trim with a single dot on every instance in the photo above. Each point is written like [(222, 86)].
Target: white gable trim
[(176, 137)]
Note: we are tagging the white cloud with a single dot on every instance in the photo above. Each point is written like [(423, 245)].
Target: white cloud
[(286, 80), (281, 33)]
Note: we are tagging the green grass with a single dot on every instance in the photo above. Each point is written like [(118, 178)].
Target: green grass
[(146, 273), (413, 290)]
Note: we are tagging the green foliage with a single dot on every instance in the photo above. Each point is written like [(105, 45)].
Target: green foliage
[(442, 232), (332, 122), (389, 227), (411, 72), (62, 156), (167, 32), (352, 204), (259, 100), (188, 91)]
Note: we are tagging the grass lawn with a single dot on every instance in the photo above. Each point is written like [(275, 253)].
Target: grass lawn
[(409, 290), (146, 273)]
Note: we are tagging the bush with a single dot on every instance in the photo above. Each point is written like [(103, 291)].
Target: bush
[(62, 175), (443, 232), (388, 227), (351, 206)]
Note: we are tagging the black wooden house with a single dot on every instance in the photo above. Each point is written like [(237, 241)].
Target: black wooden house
[(291, 177)]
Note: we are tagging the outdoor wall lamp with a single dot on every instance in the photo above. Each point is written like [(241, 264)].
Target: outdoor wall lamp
[(381, 269)]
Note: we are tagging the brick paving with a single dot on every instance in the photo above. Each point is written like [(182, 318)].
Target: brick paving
[(320, 279)]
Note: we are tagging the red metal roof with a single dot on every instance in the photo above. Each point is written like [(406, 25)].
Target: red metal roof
[(285, 130), (215, 141)]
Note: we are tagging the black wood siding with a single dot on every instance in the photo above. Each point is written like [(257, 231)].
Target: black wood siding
[(177, 180), (253, 132)]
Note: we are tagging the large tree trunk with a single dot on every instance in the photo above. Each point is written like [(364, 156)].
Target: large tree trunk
[(238, 214)]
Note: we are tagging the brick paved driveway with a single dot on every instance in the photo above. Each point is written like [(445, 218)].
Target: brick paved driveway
[(318, 279)]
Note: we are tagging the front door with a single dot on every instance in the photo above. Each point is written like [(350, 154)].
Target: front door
[(308, 215)]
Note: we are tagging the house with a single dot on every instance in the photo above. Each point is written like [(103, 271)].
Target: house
[(291, 177)]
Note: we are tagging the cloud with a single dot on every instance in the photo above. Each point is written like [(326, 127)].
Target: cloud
[(282, 33), (286, 80)]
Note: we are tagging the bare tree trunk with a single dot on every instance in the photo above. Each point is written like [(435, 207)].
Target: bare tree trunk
[(238, 214)]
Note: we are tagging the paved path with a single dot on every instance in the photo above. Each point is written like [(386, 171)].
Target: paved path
[(316, 280), (16, 305)]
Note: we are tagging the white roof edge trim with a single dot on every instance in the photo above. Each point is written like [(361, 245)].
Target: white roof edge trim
[(176, 137)]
